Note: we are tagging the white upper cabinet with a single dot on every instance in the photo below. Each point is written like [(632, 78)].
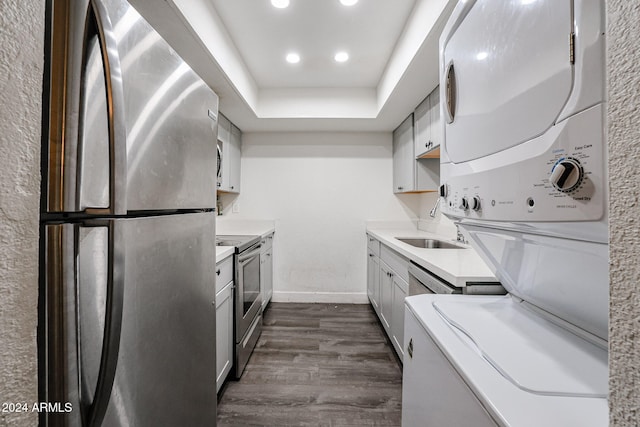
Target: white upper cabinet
[(403, 158), (224, 129), (422, 130), (235, 153), (436, 126), (230, 140), (411, 175), (428, 132)]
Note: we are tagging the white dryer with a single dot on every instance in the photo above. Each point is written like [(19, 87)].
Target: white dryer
[(523, 165)]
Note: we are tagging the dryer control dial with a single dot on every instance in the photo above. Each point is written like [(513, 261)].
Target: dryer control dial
[(475, 203), (566, 175), (464, 204)]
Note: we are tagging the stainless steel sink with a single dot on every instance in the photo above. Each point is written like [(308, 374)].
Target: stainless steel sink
[(430, 243)]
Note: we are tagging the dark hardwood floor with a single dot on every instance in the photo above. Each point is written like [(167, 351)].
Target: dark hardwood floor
[(317, 365)]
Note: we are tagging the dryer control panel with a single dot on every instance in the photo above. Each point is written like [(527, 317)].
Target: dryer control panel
[(566, 181)]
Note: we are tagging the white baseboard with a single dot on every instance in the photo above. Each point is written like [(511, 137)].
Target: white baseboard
[(322, 297)]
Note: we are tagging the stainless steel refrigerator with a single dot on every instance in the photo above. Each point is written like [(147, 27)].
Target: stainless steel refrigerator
[(127, 311)]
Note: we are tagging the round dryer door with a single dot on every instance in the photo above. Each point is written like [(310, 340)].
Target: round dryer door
[(507, 72)]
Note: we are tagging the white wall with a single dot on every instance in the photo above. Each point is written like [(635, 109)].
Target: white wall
[(320, 188), (21, 67), (623, 65)]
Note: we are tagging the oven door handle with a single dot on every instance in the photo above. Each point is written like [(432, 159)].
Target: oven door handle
[(244, 257)]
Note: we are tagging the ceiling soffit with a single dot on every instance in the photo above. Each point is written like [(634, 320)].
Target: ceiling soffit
[(264, 98)]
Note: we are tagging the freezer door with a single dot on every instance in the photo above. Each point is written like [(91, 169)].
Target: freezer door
[(171, 120), (154, 315), (131, 126)]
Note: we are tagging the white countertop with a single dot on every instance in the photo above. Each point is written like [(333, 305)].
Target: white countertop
[(240, 228), (223, 252), (456, 266), (244, 227)]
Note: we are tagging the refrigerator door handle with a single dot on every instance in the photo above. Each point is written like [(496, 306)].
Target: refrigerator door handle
[(84, 294), (115, 112), (95, 410)]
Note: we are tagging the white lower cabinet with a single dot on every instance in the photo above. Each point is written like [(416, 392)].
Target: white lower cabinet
[(373, 281), (433, 393), (400, 290), (224, 321), (266, 270), (386, 296), (387, 287)]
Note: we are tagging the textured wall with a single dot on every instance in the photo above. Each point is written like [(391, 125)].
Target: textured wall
[(624, 169), (21, 67)]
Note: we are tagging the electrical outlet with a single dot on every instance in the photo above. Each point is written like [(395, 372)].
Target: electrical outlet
[(236, 207)]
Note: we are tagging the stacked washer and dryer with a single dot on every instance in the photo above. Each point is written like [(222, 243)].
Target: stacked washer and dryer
[(524, 174)]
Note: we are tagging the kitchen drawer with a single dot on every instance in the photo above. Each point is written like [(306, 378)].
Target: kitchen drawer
[(224, 273), (373, 245), (398, 263)]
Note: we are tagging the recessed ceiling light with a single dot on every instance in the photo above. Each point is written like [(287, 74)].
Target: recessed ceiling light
[(348, 2), (293, 58), (482, 55), (341, 57), (280, 4)]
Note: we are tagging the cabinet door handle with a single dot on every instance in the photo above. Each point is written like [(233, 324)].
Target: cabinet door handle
[(400, 188), (217, 272), (371, 255), (410, 348)]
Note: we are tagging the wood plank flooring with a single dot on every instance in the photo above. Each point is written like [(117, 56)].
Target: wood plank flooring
[(317, 365)]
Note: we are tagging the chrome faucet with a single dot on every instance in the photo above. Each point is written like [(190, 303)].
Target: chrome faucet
[(432, 213)]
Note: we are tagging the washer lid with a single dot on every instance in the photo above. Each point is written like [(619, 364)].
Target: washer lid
[(565, 277), (533, 353), (512, 74)]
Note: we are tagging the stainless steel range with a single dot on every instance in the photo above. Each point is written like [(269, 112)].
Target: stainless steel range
[(248, 296)]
